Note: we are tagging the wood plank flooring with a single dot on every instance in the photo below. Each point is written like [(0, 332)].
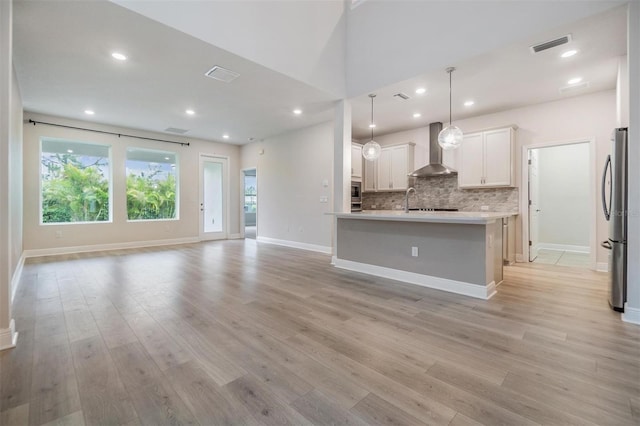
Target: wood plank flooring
[(244, 333)]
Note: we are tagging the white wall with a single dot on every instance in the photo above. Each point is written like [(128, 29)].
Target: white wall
[(290, 174), (302, 39), (382, 35), (582, 117), (15, 176), (43, 237), (564, 201)]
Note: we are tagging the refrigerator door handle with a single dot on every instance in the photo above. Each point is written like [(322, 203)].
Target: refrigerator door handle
[(606, 244), (605, 207)]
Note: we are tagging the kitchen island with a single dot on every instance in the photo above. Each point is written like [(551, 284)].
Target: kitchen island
[(460, 252)]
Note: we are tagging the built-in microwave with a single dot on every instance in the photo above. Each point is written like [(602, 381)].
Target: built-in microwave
[(356, 196)]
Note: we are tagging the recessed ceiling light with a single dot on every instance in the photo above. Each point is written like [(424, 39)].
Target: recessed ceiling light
[(89, 112), (417, 115), (420, 90), (70, 151), (190, 112), (297, 111), (166, 158), (575, 80), (569, 53), (372, 125), (118, 56), (225, 136), (469, 103)]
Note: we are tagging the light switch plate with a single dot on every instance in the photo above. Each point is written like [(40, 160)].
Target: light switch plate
[(414, 251)]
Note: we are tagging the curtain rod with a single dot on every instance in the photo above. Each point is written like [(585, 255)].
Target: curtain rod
[(108, 133)]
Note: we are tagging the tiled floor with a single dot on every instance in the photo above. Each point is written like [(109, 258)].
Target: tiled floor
[(563, 258)]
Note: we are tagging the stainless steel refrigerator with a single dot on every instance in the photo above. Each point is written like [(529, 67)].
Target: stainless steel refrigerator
[(614, 203)]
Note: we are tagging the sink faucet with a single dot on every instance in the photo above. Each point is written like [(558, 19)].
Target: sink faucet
[(406, 198)]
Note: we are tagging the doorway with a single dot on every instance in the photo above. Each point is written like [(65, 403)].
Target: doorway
[(214, 197), (561, 204), (250, 203)]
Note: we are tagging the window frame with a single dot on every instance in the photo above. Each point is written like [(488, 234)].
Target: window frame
[(40, 186)]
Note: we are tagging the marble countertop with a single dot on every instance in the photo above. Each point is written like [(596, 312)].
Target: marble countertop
[(474, 218)]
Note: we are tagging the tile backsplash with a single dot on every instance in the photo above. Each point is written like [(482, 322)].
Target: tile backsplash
[(443, 192)]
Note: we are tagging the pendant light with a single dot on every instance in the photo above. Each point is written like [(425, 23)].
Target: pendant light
[(451, 136), (371, 149)]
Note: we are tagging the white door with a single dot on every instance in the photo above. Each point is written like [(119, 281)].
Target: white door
[(534, 206), (399, 167), (370, 173), (213, 197), (384, 169), (356, 161)]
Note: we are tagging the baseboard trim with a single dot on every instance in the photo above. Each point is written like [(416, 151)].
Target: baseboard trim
[(17, 275), (106, 247), (8, 337), (631, 315), (452, 286), (564, 247), (236, 236), (295, 244), (520, 258), (602, 267)]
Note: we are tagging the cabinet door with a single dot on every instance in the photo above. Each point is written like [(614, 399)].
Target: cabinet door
[(399, 167), (471, 158), (356, 161), (384, 170), (497, 157), (370, 172)]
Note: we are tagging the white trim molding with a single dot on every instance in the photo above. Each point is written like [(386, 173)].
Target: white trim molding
[(564, 247), (105, 247), (631, 315), (237, 236), (295, 244), (17, 275), (474, 290), (602, 267), (8, 336), (520, 258)]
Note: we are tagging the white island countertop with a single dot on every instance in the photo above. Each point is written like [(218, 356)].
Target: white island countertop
[(474, 218)]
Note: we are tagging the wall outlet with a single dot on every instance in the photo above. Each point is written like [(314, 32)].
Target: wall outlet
[(484, 208), (414, 251)]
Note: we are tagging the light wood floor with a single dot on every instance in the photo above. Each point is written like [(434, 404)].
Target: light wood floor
[(239, 332)]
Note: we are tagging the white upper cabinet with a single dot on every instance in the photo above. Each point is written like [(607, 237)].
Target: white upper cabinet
[(356, 162), (486, 159), (389, 172)]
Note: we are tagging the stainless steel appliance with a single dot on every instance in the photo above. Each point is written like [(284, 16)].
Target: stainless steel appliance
[(435, 166), (356, 196), (614, 204)]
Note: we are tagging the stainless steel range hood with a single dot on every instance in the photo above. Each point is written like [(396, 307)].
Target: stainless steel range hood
[(435, 166)]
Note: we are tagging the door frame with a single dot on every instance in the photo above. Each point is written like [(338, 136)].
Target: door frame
[(524, 194), (226, 187), (242, 175)]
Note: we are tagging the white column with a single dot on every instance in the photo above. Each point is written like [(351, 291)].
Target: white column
[(342, 157), (8, 335), (632, 307)]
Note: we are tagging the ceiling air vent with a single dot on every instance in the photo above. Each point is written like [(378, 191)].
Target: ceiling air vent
[(222, 74), (402, 95), (176, 130), (574, 87), (550, 44)]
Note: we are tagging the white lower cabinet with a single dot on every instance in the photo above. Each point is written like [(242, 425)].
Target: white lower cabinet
[(486, 159), (390, 171)]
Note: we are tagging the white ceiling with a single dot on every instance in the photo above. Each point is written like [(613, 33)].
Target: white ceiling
[(62, 56), (503, 79)]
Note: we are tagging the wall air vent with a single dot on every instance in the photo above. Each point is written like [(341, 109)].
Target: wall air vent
[(550, 44), (222, 74), (402, 96), (574, 87), (176, 130)]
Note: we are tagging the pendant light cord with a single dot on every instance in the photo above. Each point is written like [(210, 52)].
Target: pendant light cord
[(450, 72), (372, 96)]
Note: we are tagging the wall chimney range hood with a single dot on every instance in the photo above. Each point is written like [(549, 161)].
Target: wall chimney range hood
[(435, 166)]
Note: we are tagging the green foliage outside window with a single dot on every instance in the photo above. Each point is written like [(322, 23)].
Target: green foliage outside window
[(250, 202), (151, 195), (74, 188)]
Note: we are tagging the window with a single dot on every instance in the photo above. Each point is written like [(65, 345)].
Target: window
[(75, 181), (250, 194), (151, 185)]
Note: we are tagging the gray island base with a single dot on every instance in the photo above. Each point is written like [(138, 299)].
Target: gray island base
[(459, 252)]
